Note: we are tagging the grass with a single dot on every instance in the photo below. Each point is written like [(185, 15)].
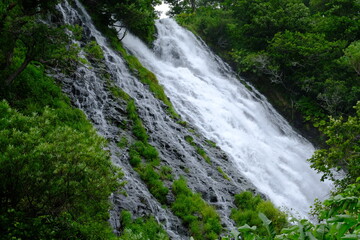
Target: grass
[(123, 143), (201, 218), (140, 228), (223, 173), (211, 143)]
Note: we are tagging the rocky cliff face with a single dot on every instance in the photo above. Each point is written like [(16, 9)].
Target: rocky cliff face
[(89, 88)]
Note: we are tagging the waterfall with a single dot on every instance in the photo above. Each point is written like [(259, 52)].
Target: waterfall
[(88, 90), (256, 147), (260, 143)]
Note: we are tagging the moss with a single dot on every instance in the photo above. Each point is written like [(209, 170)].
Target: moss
[(190, 140), (119, 93), (211, 143), (183, 123), (223, 173), (123, 142)]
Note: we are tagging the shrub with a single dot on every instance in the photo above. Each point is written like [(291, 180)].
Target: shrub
[(201, 218), (141, 228), (53, 176), (248, 209), (94, 51)]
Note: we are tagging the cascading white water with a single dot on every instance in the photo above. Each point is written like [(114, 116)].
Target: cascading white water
[(207, 93)]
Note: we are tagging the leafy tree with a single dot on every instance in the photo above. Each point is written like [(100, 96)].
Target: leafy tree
[(352, 56), (343, 152), (136, 15), (25, 38), (258, 21), (338, 19), (54, 177), (181, 6)]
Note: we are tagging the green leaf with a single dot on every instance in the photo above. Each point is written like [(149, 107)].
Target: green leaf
[(268, 225), (246, 228)]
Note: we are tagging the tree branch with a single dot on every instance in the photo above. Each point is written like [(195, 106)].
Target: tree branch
[(11, 78)]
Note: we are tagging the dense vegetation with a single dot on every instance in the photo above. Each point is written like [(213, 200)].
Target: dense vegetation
[(201, 218), (55, 176), (136, 15), (248, 207)]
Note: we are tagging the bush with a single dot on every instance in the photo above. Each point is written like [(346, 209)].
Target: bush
[(94, 51), (52, 175), (141, 228), (248, 209), (201, 218)]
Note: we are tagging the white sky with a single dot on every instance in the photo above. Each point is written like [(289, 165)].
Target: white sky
[(163, 8)]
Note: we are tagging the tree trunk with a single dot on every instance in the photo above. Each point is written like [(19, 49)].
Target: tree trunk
[(11, 78), (193, 5)]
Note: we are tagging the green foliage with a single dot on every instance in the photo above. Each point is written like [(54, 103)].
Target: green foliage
[(352, 56), (123, 142), (76, 30), (136, 15), (256, 22), (166, 173), (211, 24), (202, 220), (339, 215), (94, 51), (119, 93), (52, 174), (153, 181), (211, 143), (248, 209), (140, 228), (25, 39), (343, 150)]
